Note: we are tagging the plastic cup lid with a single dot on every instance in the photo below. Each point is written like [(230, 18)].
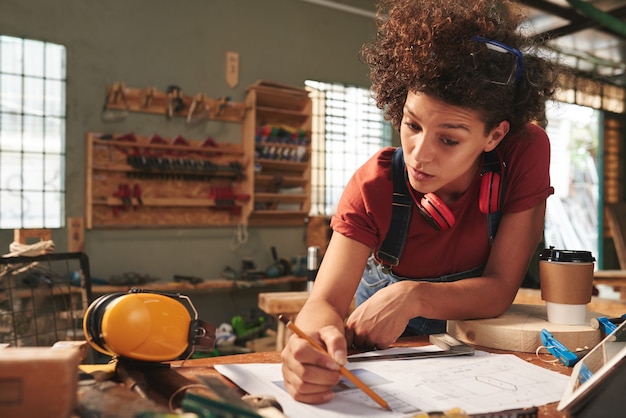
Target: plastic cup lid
[(566, 256)]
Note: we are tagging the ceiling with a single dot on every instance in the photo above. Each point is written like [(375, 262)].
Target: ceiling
[(588, 35)]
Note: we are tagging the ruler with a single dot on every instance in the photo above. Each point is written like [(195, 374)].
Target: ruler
[(449, 345)]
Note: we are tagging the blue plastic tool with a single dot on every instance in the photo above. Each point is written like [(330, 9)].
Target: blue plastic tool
[(558, 350), (607, 325)]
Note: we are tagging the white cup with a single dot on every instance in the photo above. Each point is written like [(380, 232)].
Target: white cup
[(566, 281)]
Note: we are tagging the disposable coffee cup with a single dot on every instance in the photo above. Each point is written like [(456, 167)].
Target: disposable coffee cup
[(566, 281)]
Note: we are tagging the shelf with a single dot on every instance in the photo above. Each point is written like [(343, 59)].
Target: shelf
[(283, 165), (279, 124), (173, 103), (165, 202), (277, 218), (207, 286), (195, 148), (280, 197), (264, 181), (280, 116)]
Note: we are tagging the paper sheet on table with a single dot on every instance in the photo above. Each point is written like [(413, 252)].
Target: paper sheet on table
[(477, 384)]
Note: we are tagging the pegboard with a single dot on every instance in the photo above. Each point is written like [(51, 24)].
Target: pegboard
[(136, 181)]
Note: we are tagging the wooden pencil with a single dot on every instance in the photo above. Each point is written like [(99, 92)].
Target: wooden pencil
[(342, 369)]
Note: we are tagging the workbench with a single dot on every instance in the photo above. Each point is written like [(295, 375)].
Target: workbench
[(218, 300), (290, 303), (205, 367), (613, 278)]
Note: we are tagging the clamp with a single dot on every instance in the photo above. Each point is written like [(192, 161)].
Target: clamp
[(566, 356), (607, 325)]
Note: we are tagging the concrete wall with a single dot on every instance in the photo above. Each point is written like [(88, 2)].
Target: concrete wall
[(158, 43)]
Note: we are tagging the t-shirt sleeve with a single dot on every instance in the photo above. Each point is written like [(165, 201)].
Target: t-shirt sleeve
[(527, 172), (362, 210)]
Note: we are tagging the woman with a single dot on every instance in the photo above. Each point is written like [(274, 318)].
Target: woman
[(451, 77)]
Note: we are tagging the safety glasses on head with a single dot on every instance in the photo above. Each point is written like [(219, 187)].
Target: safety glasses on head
[(497, 62)]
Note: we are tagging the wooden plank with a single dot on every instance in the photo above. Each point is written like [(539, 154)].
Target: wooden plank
[(519, 330), (75, 235), (276, 303), (616, 217), (28, 236)]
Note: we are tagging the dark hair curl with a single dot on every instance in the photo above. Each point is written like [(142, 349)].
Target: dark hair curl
[(427, 46)]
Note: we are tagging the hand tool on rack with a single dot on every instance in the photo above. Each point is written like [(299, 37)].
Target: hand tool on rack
[(148, 95), (223, 103), (123, 193), (179, 140), (157, 140), (127, 137), (111, 111), (176, 103), (198, 109), (137, 194)]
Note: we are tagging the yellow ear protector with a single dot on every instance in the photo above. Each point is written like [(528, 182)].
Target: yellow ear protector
[(145, 325)]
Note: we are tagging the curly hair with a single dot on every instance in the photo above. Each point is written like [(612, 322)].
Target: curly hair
[(430, 46)]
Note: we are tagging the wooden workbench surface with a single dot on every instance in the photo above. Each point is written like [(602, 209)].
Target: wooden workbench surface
[(205, 367)]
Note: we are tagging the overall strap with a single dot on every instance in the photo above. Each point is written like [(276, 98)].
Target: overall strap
[(393, 245)]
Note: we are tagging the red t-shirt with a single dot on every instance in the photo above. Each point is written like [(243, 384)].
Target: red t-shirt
[(364, 210)]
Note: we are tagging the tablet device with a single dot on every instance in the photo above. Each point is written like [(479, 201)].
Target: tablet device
[(596, 386)]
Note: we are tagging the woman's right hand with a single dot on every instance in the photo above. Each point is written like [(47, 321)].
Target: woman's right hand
[(309, 374)]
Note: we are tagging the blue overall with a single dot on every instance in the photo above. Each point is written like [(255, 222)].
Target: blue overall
[(379, 275)]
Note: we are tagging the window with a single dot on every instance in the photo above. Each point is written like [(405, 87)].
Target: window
[(32, 133), (572, 212), (347, 129)]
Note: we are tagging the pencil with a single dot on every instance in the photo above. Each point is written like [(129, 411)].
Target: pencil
[(342, 369)]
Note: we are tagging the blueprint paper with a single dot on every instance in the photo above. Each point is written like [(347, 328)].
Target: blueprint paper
[(477, 384)]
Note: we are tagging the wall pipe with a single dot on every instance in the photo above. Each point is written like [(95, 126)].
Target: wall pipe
[(342, 7), (605, 19)]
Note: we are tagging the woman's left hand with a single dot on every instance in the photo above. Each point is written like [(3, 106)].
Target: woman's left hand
[(380, 320)]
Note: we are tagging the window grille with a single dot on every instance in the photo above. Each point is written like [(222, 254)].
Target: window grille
[(594, 93), (32, 133), (347, 129)]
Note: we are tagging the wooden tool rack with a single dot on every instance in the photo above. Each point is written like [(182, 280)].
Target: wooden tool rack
[(277, 131), (172, 103), (135, 181), (264, 181)]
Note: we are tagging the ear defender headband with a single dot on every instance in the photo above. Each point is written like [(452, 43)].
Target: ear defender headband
[(147, 326), (440, 217), (436, 212)]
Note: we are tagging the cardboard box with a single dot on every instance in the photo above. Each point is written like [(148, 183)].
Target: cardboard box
[(38, 382)]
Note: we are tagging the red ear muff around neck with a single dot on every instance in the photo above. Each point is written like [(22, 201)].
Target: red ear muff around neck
[(490, 190), (436, 212)]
